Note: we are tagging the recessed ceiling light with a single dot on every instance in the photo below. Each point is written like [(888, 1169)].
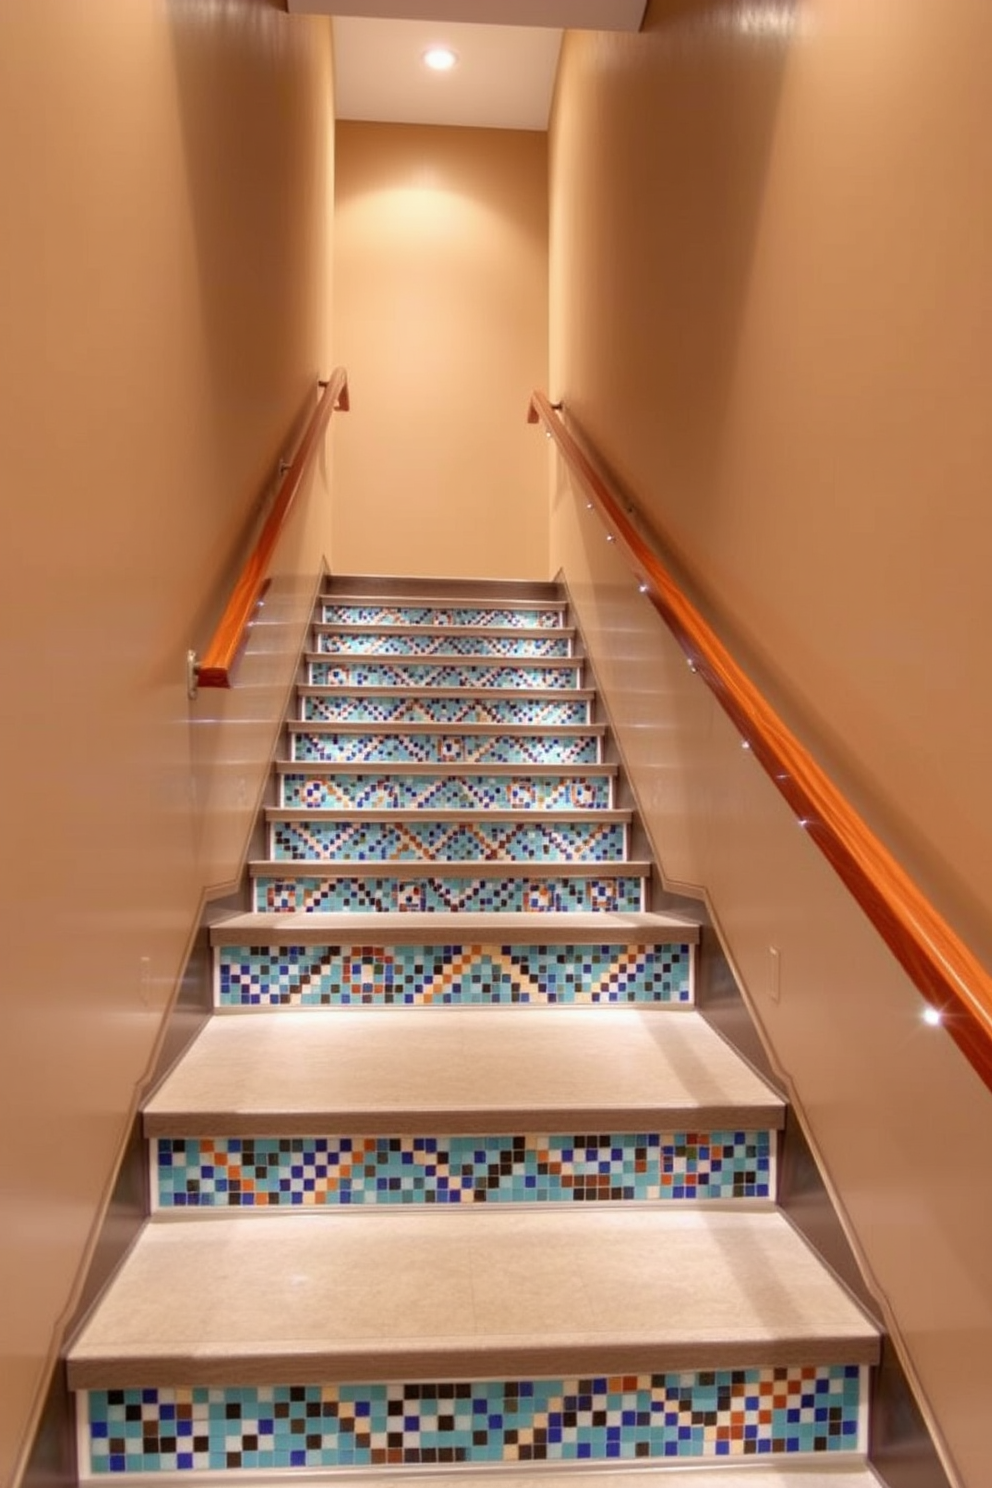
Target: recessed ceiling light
[(440, 58)]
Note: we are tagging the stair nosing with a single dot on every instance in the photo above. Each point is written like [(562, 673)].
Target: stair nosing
[(445, 771), (461, 868), (427, 928)]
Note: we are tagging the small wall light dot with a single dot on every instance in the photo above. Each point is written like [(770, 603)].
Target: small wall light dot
[(440, 58), (933, 1016)]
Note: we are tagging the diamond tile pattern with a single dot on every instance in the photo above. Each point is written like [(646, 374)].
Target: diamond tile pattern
[(426, 749), (535, 894), (424, 975), (318, 1172), (717, 1415), (542, 712), (447, 842), (521, 618), (340, 643), (471, 792), (355, 673)]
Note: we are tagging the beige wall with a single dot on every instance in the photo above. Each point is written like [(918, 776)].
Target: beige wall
[(441, 317), (166, 172), (770, 268)]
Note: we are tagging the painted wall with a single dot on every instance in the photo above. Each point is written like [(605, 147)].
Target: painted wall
[(164, 301), (770, 264), (441, 318)]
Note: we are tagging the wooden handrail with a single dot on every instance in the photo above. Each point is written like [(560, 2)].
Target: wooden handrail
[(217, 663), (946, 972)]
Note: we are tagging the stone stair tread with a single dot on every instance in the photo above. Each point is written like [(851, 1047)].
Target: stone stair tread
[(465, 1294), (470, 658), (413, 928), (472, 1070), (580, 815)]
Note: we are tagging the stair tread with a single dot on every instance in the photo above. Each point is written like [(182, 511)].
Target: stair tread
[(412, 928), (426, 628), (465, 1294), (462, 694), (459, 1070)]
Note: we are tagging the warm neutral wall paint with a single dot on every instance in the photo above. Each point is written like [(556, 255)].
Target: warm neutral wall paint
[(166, 167), (441, 317), (770, 268), (772, 309)]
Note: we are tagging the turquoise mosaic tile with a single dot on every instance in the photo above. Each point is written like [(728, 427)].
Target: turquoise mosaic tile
[(542, 712), (348, 673), (468, 792), (448, 842), (340, 643), (320, 1172), (536, 894), (385, 614), (429, 749), (426, 975), (719, 1414)]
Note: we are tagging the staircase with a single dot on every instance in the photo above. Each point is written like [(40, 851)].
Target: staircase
[(455, 1176)]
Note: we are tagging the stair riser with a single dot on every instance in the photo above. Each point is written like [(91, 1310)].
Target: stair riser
[(336, 643), (446, 842), (458, 793), (427, 975), (441, 749), (536, 894), (344, 673), (524, 619), (717, 1416), (310, 1172), (521, 712)]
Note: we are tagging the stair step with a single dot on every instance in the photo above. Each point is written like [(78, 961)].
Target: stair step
[(425, 708), (633, 929), (459, 1070), (481, 1293), (546, 615), (528, 888), (406, 786), (442, 836), (434, 640), (412, 671), (460, 744), (446, 967)]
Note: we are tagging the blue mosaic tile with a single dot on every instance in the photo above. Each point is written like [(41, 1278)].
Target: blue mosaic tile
[(320, 1172), (340, 643), (542, 712), (354, 673), (428, 749), (543, 894), (711, 1416), (448, 842), (386, 614), (427, 975), (462, 792)]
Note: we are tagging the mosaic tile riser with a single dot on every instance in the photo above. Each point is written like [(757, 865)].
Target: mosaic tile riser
[(421, 792), (350, 614), (404, 644), (422, 975), (431, 749), (310, 1172), (448, 842), (623, 894), (522, 711), (440, 674), (714, 1415)]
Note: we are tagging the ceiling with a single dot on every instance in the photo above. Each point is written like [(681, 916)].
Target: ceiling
[(507, 51)]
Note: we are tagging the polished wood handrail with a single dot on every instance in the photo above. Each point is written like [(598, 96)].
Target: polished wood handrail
[(946, 972), (215, 667)]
